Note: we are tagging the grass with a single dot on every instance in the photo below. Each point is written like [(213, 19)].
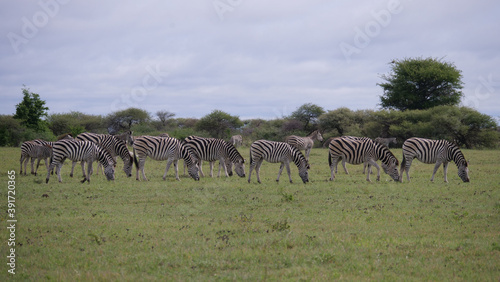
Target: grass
[(228, 229)]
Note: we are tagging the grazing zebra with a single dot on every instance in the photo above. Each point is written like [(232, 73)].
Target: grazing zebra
[(304, 143), (81, 151), (434, 151), (362, 150), (277, 152), (236, 140), (113, 144), (160, 149), (33, 150), (386, 141), (212, 149), (49, 144)]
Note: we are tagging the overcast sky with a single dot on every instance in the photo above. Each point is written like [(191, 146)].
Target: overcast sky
[(253, 59)]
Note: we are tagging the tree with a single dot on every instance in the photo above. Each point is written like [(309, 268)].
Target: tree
[(123, 120), (308, 114), (340, 119), (218, 124), (31, 110), (420, 83), (164, 116)]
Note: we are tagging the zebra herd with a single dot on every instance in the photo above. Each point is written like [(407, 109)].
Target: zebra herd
[(104, 148)]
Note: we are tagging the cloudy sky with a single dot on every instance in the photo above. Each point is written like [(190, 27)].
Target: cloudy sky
[(253, 59)]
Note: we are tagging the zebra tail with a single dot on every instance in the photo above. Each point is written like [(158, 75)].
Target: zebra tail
[(329, 159), (136, 162), (403, 164)]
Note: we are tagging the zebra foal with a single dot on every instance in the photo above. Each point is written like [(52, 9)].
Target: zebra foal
[(236, 140), (277, 152), (160, 149), (356, 150), (212, 149), (433, 151), (33, 150), (304, 143), (81, 151)]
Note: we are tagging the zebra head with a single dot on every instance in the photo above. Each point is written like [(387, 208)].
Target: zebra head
[(109, 171), (463, 171), (389, 162), (239, 167), (127, 166), (301, 163), (193, 171)]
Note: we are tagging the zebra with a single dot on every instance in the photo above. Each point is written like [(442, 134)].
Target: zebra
[(81, 151), (163, 148), (304, 143), (33, 150), (434, 151), (126, 137), (362, 150), (49, 144), (113, 144), (164, 135), (212, 149), (386, 141), (236, 140), (275, 152)]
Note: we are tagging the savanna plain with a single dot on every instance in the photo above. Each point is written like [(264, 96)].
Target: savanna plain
[(229, 229)]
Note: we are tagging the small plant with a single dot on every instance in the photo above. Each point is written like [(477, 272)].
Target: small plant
[(281, 225)]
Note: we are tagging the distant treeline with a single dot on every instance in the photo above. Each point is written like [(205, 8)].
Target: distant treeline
[(464, 126)]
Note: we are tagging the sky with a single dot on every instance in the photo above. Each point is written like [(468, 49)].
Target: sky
[(252, 59)]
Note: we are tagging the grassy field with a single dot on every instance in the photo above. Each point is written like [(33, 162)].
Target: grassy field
[(228, 229)]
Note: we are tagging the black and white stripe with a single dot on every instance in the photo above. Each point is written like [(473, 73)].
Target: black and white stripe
[(212, 149), (304, 143), (160, 149), (81, 151), (32, 150), (277, 152), (116, 146), (434, 151), (360, 150)]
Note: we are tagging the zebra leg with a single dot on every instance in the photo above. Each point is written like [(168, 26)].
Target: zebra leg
[(405, 166), (288, 171), (58, 171), (308, 151), (252, 166), (257, 169), (169, 162), (82, 163), (25, 164), (279, 172), (37, 165), (72, 168), (176, 167), (445, 169), (51, 167), (373, 163), (200, 162), (222, 163), (344, 166), (32, 165), (89, 171), (436, 167), (333, 167), (141, 166)]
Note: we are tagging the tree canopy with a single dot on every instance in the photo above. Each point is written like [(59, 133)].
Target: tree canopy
[(416, 84), (308, 114), (31, 110), (219, 124)]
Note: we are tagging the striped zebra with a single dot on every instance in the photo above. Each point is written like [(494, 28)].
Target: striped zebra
[(277, 152), (362, 150), (49, 144), (160, 149), (386, 141), (116, 146), (304, 143), (33, 150), (81, 151), (236, 140), (212, 149), (433, 151)]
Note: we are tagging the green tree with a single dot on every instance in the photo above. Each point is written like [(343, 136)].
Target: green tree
[(123, 120), (308, 114), (31, 110), (340, 120), (421, 84), (219, 124)]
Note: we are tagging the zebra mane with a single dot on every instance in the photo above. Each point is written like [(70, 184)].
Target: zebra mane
[(386, 153), (233, 154), (298, 157), (457, 155)]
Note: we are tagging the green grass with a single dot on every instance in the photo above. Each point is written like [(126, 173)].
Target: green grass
[(228, 229)]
